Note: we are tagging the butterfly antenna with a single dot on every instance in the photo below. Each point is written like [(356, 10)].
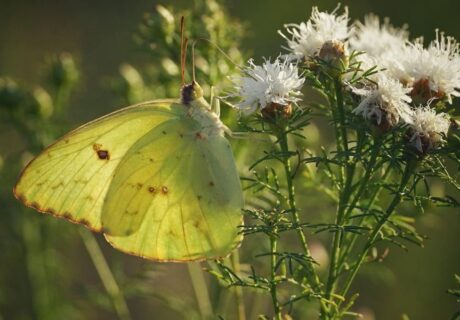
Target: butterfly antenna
[(193, 61), (182, 50), (221, 51), (184, 58)]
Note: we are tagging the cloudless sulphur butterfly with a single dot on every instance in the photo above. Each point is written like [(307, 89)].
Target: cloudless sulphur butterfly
[(158, 179)]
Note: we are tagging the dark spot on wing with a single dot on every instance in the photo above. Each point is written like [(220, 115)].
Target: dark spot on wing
[(181, 135), (66, 141), (84, 222), (151, 160), (199, 197), (21, 197), (151, 189), (103, 154), (164, 190), (35, 205), (139, 186), (60, 184), (211, 183), (131, 213), (67, 216), (163, 132), (199, 135)]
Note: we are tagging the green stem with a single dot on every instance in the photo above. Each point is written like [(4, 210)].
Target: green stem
[(201, 289), (235, 259), (367, 175), (373, 237), (341, 113), (273, 285), (344, 194), (372, 199), (104, 272), (312, 276), (36, 268)]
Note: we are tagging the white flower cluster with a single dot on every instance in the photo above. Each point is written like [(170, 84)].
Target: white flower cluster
[(410, 75), (412, 72), (308, 37), (273, 82)]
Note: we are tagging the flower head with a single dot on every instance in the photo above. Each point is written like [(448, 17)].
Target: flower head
[(278, 82), (428, 128), (308, 38), (432, 72), (385, 103), (377, 38)]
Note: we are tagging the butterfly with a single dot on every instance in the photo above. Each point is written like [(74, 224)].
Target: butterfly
[(158, 179)]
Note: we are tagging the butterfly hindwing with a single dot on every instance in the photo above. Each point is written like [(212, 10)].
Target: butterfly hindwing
[(179, 194), (71, 177)]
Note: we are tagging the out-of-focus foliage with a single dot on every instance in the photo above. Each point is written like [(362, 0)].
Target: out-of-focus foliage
[(211, 31)]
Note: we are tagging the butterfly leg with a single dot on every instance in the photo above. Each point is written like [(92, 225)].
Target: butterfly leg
[(215, 103)]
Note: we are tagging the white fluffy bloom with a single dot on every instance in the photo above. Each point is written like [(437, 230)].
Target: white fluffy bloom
[(387, 99), (377, 38), (308, 38), (272, 82), (428, 128), (432, 72)]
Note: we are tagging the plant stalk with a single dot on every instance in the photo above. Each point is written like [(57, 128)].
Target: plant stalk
[(201, 289), (345, 192), (273, 285), (106, 275), (373, 237)]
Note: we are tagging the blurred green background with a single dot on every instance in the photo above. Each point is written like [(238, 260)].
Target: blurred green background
[(99, 35)]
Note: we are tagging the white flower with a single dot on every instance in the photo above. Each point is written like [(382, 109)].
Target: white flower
[(388, 98), (432, 72), (273, 82), (308, 38), (428, 128), (375, 38)]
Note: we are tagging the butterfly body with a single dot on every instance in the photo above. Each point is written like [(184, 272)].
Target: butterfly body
[(158, 179)]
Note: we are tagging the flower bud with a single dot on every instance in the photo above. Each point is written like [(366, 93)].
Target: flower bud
[(63, 71), (333, 52), (43, 102), (275, 111)]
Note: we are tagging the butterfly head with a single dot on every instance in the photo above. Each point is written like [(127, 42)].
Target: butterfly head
[(191, 92)]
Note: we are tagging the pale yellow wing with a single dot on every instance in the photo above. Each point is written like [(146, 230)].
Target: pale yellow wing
[(177, 196), (70, 178)]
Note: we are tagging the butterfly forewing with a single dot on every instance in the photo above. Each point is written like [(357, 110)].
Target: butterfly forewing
[(71, 177)]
